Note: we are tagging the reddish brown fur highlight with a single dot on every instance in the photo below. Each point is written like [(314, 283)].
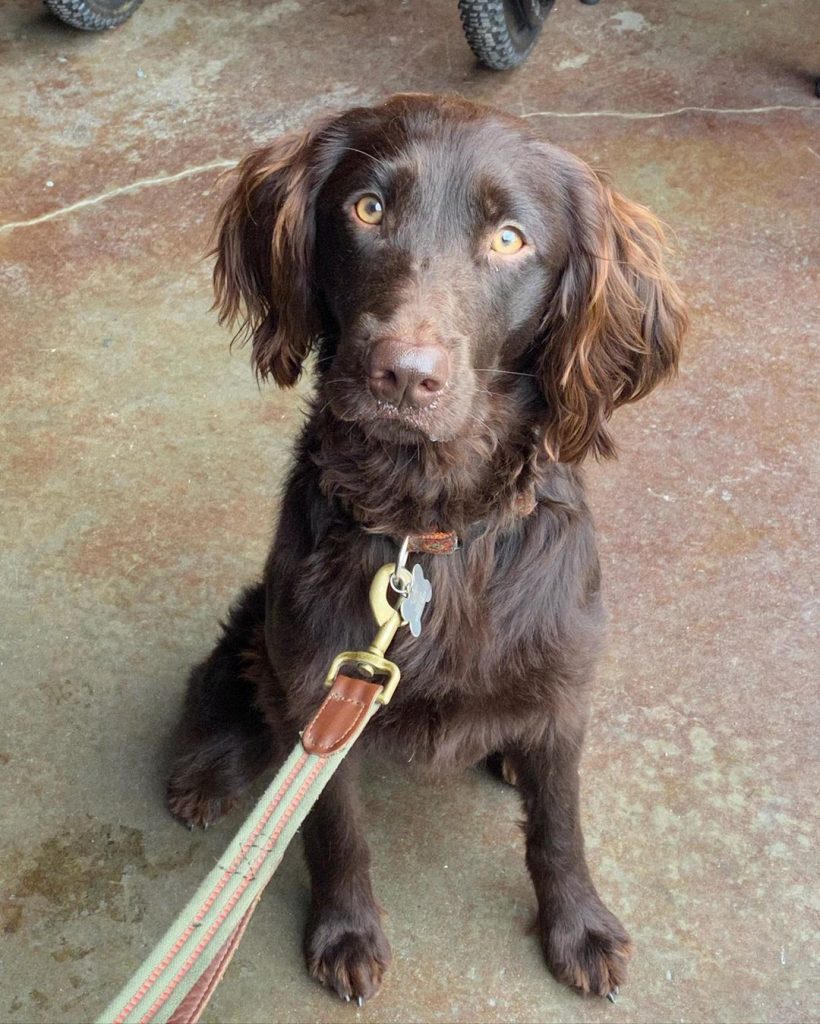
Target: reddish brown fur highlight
[(614, 327)]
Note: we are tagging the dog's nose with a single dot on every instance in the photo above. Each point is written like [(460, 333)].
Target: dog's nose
[(401, 372)]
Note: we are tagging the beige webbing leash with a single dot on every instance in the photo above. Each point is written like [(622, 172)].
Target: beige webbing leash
[(178, 977)]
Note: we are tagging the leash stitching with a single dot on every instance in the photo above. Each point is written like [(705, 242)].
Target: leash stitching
[(231, 903), (189, 930)]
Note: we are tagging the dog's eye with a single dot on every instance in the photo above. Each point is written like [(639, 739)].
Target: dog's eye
[(369, 209), (507, 241)]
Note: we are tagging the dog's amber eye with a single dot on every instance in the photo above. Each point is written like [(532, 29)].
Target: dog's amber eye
[(369, 209), (507, 241)]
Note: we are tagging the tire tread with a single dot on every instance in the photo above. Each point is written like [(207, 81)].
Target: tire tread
[(93, 15), (488, 35)]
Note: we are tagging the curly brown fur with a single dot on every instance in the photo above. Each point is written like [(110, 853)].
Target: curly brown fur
[(505, 370)]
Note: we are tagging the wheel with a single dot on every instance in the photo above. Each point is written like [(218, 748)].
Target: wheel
[(93, 15), (501, 33)]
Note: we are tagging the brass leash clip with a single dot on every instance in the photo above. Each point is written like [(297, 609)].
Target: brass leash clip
[(414, 592)]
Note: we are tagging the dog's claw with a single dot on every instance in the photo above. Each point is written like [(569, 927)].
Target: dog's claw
[(347, 999), (611, 995), (360, 1001)]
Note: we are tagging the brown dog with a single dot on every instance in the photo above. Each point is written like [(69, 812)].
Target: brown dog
[(479, 303)]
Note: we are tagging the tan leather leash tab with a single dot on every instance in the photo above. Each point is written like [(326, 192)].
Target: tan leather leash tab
[(340, 715)]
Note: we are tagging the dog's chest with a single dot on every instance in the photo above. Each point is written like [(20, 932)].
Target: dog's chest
[(486, 621)]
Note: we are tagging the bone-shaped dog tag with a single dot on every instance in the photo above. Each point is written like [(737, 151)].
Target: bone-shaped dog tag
[(412, 605)]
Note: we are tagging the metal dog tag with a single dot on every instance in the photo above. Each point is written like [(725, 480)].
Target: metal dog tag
[(417, 595)]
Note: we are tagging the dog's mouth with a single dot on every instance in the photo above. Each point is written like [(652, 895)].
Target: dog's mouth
[(397, 424), (392, 423), (389, 422)]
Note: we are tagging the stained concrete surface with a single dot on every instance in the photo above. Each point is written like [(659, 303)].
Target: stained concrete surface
[(141, 468)]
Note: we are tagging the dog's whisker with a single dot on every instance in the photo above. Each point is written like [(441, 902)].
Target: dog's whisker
[(510, 373), (377, 160)]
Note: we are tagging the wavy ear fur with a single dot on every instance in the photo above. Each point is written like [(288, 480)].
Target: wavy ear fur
[(264, 252), (614, 326)]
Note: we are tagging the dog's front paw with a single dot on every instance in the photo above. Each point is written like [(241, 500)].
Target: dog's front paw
[(206, 780), (192, 797), (587, 948), (195, 809), (347, 954)]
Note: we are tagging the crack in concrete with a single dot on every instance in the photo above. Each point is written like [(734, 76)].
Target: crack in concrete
[(188, 172), (639, 115), (121, 190)]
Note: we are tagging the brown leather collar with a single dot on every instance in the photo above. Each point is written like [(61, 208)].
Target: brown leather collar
[(446, 542), (434, 542)]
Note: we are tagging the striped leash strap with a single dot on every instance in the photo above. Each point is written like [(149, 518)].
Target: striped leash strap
[(181, 972), (179, 976)]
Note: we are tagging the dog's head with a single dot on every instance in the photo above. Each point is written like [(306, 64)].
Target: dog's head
[(442, 259)]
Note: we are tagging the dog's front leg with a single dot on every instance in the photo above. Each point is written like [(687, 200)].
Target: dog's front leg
[(585, 945), (345, 946)]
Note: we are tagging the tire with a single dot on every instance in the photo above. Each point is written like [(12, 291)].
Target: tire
[(93, 15), (501, 33)]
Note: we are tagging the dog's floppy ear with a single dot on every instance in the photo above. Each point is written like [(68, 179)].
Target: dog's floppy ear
[(615, 322), (265, 240)]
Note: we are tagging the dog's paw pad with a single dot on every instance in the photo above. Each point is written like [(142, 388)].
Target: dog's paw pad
[(351, 961)]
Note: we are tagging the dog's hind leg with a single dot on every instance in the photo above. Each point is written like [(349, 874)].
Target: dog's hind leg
[(222, 741)]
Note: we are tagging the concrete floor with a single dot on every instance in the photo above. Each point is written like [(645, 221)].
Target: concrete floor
[(140, 469)]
